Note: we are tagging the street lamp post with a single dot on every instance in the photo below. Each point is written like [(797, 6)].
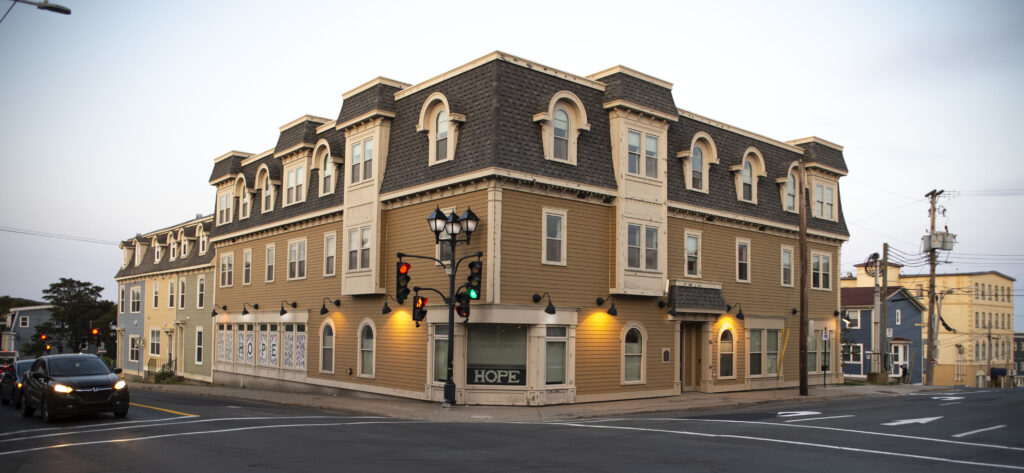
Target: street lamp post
[(452, 226), (43, 5)]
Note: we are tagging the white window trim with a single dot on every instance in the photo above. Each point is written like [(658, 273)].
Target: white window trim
[(156, 296), (821, 256), (23, 321), (204, 242), (325, 161), (764, 352), (564, 214), (718, 350), (643, 248), (622, 353), (642, 165), (555, 339), (155, 343), (783, 182), (133, 349), (299, 165), (334, 267), (359, 231), (899, 317), (855, 316), (826, 185), (736, 259), (225, 200), (757, 170), (132, 293), (851, 362), (320, 348), (305, 259), (709, 153), (247, 260), (686, 255), (578, 123), (361, 142), (172, 245), (433, 339), (782, 267), (373, 350), (120, 305), (269, 261), (428, 120), (170, 294), (200, 290), (198, 355), (220, 270), (265, 184)]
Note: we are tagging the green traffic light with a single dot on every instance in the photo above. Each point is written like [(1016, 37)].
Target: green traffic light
[(472, 293)]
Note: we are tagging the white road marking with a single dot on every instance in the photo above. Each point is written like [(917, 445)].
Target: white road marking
[(218, 419), (837, 429), (798, 413), (947, 398), (116, 422), (818, 418), (794, 442), (979, 430), (204, 432), (922, 420), (950, 403)]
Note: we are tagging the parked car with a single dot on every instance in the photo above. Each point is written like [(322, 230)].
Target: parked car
[(12, 381), (59, 385)]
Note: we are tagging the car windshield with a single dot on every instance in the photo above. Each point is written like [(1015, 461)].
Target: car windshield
[(23, 366), (78, 367)]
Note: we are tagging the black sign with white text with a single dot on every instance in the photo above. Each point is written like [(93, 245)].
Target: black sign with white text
[(496, 375)]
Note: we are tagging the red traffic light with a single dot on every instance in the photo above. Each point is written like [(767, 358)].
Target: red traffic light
[(420, 302), (42, 337), (95, 331), (403, 268)]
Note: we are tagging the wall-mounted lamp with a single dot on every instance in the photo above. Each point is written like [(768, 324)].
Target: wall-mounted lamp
[(387, 309), (550, 309), (793, 311), (671, 311), (611, 310), (738, 305), (221, 307), (254, 307), (285, 311), (323, 308)]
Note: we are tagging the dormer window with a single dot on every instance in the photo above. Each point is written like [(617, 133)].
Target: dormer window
[(824, 200), (294, 185), (157, 253), (184, 247), (441, 136), (245, 205), (791, 192), (202, 243), (174, 248), (224, 207), (138, 255), (327, 170), (697, 162), (362, 161), (263, 180), (697, 169), (561, 124), (441, 125), (561, 150), (748, 181), (746, 175)]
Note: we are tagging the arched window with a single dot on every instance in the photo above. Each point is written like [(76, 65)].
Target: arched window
[(697, 168), (268, 193), (326, 174), (366, 346), (633, 355), (561, 150), (791, 192), (441, 135), (725, 355), (748, 181), (327, 349)]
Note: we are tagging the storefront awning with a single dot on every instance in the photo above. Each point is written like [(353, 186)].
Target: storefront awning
[(696, 300)]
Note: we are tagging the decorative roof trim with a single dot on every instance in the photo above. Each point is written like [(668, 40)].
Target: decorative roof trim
[(754, 220), (293, 149), (815, 139), (639, 108), (364, 117), (372, 82), (632, 73), (499, 56), (229, 154), (827, 168), (226, 177), (257, 157), (740, 131), (175, 270), (277, 223), (311, 118), (499, 172), (325, 127)]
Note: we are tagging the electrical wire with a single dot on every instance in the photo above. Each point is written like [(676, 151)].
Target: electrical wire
[(58, 236)]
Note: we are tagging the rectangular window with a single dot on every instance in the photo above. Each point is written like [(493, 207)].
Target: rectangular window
[(224, 207), (742, 260), (356, 160), (854, 317), (649, 151), (812, 351), (181, 293), (977, 320), (496, 354), (359, 248), (23, 321), (270, 263), (899, 317), (133, 348), (764, 352), (554, 240), (756, 353), (247, 267), (633, 246), (440, 353), (136, 299), (651, 154), (853, 353), (120, 302), (692, 254), (555, 355), (367, 159), (787, 266), (170, 294), (154, 342), (821, 271), (330, 250), (639, 236), (651, 245), (199, 345), (201, 292), (156, 296), (297, 259), (294, 181), (227, 270), (634, 153)]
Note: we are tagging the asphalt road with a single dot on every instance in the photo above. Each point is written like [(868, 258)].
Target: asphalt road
[(960, 431)]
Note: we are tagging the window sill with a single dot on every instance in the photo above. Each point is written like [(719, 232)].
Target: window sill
[(643, 272), (330, 275), (786, 285), (554, 263), (692, 276), (642, 178), (366, 376), (441, 162), (303, 278), (362, 270), (719, 378), (743, 282), (821, 289), (568, 161), (360, 184), (632, 383)]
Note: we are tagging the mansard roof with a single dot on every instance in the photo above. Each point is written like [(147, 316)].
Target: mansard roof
[(148, 266)]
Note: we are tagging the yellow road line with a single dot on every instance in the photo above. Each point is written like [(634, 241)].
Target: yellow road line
[(162, 409)]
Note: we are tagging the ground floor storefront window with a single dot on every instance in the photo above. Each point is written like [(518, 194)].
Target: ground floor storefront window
[(496, 354)]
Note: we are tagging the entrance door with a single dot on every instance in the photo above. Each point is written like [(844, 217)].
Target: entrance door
[(899, 357), (690, 355)]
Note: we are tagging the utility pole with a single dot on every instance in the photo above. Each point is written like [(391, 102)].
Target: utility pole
[(804, 194), (876, 329), (933, 195), (882, 334)]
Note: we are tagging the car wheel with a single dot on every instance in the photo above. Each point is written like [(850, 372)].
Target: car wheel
[(45, 411), (121, 414), (26, 410)]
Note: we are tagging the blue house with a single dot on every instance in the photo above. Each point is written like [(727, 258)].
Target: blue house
[(21, 327), (860, 337)]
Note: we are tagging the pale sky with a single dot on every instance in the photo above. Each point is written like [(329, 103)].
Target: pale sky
[(111, 117)]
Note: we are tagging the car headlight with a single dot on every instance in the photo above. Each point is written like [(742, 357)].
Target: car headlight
[(62, 388), (19, 385), (120, 384)]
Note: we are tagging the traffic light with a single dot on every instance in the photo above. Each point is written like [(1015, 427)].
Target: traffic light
[(47, 347), (475, 273), (95, 332), (419, 309), (402, 281), (42, 338), (462, 304)]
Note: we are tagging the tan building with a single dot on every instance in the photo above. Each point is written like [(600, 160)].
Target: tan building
[(585, 188), (975, 345)]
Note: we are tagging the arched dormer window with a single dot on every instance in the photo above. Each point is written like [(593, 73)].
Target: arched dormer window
[(173, 244), (697, 162), (267, 188), (441, 125), (561, 125), (244, 198), (157, 250), (327, 170), (747, 173), (788, 190), (203, 241), (184, 243)]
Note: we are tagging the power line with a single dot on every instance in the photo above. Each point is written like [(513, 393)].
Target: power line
[(58, 236)]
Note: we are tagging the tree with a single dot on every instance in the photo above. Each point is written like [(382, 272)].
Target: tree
[(76, 308)]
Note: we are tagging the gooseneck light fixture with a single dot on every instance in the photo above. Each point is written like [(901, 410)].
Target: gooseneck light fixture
[(550, 309), (323, 308), (671, 310), (611, 310), (286, 303), (387, 309), (739, 306), (221, 307), (254, 307)]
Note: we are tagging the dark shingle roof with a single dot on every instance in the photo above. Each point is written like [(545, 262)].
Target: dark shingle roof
[(379, 96), (193, 259), (862, 296), (302, 132), (690, 299), (621, 86), (228, 166), (821, 154)]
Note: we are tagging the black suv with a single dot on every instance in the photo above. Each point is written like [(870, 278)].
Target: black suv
[(73, 384)]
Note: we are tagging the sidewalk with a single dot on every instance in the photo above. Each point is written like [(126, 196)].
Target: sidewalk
[(373, 405)]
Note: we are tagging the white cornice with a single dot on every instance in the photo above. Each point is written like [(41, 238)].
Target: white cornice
[(326, 126), (373, 82), (229, 154), (256, 157), (175, 270), (500, 172), (815, 139), (312, 118), (277, 223), (366, 116), (292, 149), (740, 131), (630, 72), (640, 108)]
